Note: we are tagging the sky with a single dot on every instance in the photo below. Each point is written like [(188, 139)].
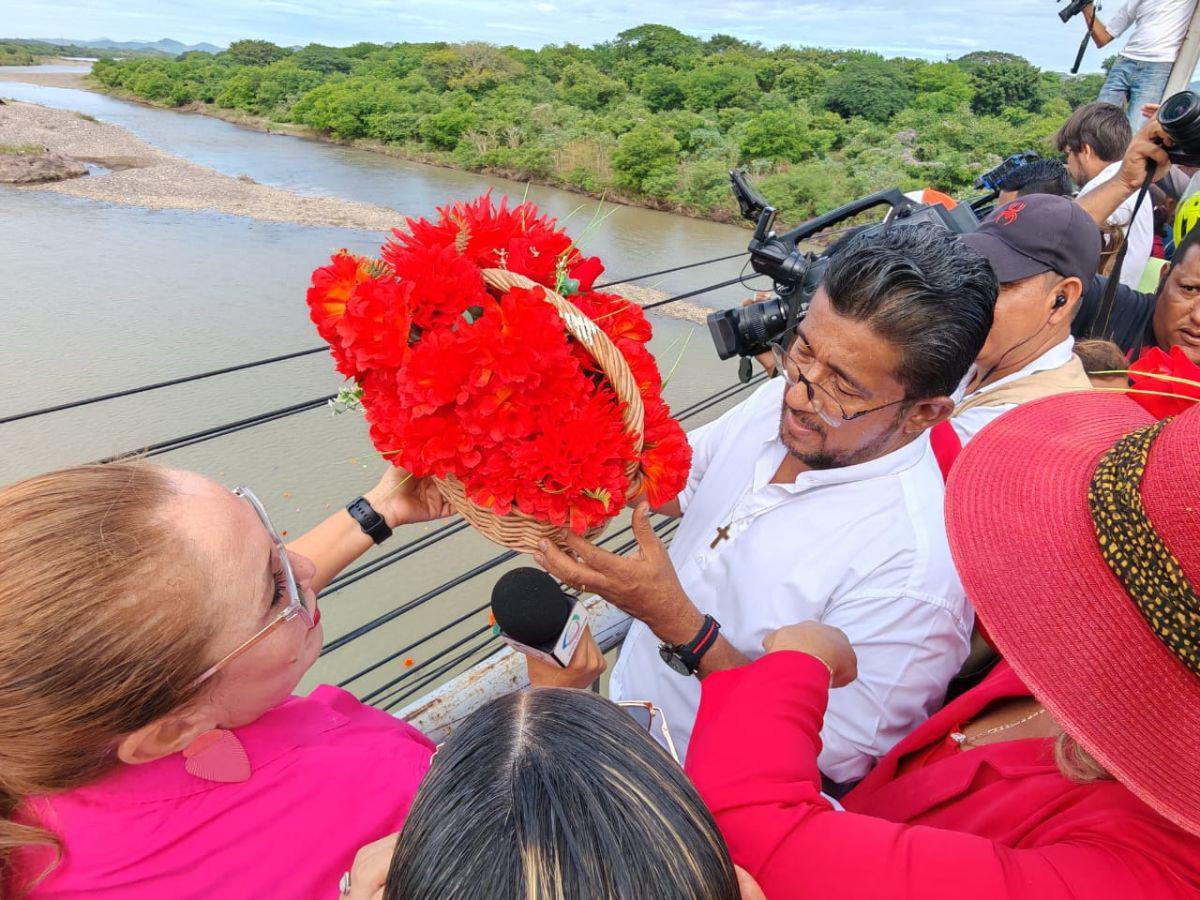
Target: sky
[(932, 29)]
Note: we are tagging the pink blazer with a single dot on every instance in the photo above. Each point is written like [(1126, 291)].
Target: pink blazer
[(995, 823), (329, 774)]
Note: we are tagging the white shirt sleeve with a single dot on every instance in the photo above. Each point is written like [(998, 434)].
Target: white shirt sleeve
[(908, 650), (707, 439), (1122, 18)]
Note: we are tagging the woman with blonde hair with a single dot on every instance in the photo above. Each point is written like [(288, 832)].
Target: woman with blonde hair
[(1072, 770), (154, 628)]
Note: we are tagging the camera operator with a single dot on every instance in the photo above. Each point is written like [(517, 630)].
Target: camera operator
[(1136, 320), (819, 498), (1143, 68), (1043, 176), (1043, 249), (1094, 139)]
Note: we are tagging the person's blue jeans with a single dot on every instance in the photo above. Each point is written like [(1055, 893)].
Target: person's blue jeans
[(1131, 83)]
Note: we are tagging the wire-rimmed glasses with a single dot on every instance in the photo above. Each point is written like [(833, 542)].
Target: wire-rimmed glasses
[(296, 606), (644, 713)]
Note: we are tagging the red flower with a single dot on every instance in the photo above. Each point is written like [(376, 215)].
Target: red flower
[(327, 299), (666, 454), (586, 271), (1144, 377), (374, 330)]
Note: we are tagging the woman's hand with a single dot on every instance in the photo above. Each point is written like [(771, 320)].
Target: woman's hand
[(402, 499), (586, 666), (826, 643), (369, 872)]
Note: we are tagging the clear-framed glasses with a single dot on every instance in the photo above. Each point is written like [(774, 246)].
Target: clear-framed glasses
[(824, 403), (296, 607), (645, 713)]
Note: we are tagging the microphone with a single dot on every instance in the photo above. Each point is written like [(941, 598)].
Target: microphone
[(536, 617)]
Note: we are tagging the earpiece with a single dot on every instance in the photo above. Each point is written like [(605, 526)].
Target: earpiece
[(1059, 302)]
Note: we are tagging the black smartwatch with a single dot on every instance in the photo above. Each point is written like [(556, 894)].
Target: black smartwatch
[(372, 523), (685, 658)]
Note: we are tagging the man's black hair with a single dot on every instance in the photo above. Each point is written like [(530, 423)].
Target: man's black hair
[(1043, 176), (923, 290), (1101, 126)]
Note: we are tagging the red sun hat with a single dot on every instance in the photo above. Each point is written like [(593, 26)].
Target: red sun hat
[(1068, 557)]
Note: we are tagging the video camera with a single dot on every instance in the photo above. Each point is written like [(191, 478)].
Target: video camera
[(1179, 117), (748, 330), (1072, 9)]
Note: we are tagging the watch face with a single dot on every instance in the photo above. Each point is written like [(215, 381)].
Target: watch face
[(672, 659)]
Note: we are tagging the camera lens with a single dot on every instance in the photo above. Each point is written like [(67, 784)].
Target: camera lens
[(1180, 119), (761, 323)]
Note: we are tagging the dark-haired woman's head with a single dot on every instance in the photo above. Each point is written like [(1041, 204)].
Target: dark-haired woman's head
[(557, 794)]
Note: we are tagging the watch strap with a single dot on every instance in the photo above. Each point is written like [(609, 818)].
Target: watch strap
[(693, 651), (371, 522)]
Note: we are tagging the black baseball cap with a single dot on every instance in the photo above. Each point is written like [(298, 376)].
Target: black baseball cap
[(1038, 233)]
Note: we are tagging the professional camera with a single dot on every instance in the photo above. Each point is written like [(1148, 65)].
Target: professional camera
[(993, 178), (749, 330), (1179, 117), (1072, 9)]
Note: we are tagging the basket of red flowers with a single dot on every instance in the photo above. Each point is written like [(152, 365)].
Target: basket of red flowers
[(485, 359)]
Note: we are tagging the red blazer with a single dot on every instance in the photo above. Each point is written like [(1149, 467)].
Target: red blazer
[(996, 822)]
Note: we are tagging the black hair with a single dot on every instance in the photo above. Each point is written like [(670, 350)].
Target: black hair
[(1101, 126), (1043, 176), (557, 794), (923, 290)]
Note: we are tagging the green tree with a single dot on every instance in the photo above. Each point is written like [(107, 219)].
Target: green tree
[(585, 86), (867, 87), (473, 66), (645, 158), (319, 58), (443, 129), (657, 44), (785, 136), (254, 53), (718, 86), (1003, 84), (660, 86)]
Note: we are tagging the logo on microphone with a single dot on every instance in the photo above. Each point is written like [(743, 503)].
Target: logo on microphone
[(572, 632)]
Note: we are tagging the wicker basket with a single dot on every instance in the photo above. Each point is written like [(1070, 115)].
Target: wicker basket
[(517, 530)]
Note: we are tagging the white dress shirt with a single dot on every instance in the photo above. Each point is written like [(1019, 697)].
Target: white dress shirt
[(1140, 235), (862, 548), (968, 423), (1159, 27)]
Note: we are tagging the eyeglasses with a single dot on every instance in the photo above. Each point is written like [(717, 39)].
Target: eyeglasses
[(296, 606), (644, 713), (822, 400)]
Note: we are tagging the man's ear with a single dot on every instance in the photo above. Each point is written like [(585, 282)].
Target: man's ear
[(1071, 289), (1163, 275), (164, 736), (925, 414)]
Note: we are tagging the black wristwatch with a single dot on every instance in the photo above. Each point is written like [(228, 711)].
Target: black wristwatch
[(685, 658), (372, 523)]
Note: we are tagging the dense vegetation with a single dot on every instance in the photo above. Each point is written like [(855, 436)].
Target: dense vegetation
[(16, 52), (655, 115)]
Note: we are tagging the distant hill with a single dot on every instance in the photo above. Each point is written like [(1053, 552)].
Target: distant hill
[(165, 45)]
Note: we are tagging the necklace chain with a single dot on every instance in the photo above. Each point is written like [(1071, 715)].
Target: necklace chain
[(961, 738)]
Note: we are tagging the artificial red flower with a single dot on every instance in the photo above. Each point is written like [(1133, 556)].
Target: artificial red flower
[(374, 329), (327, 298), (1144, 376), (585, 272), (666, 454)]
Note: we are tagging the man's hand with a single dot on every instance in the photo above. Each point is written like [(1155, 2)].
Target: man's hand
[(643, 584), (586, 666), (1142, 149), (368, 874), (826, 643), (402, 499)]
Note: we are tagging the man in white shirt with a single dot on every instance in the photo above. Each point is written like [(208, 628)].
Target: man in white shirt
[(1143, 68), (819, 498), (1095, 139), (1044, 250)]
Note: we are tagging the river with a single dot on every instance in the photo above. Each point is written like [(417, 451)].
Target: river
[(98, 297)]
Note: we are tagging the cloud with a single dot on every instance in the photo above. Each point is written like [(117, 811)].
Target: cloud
[(932, 29)]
